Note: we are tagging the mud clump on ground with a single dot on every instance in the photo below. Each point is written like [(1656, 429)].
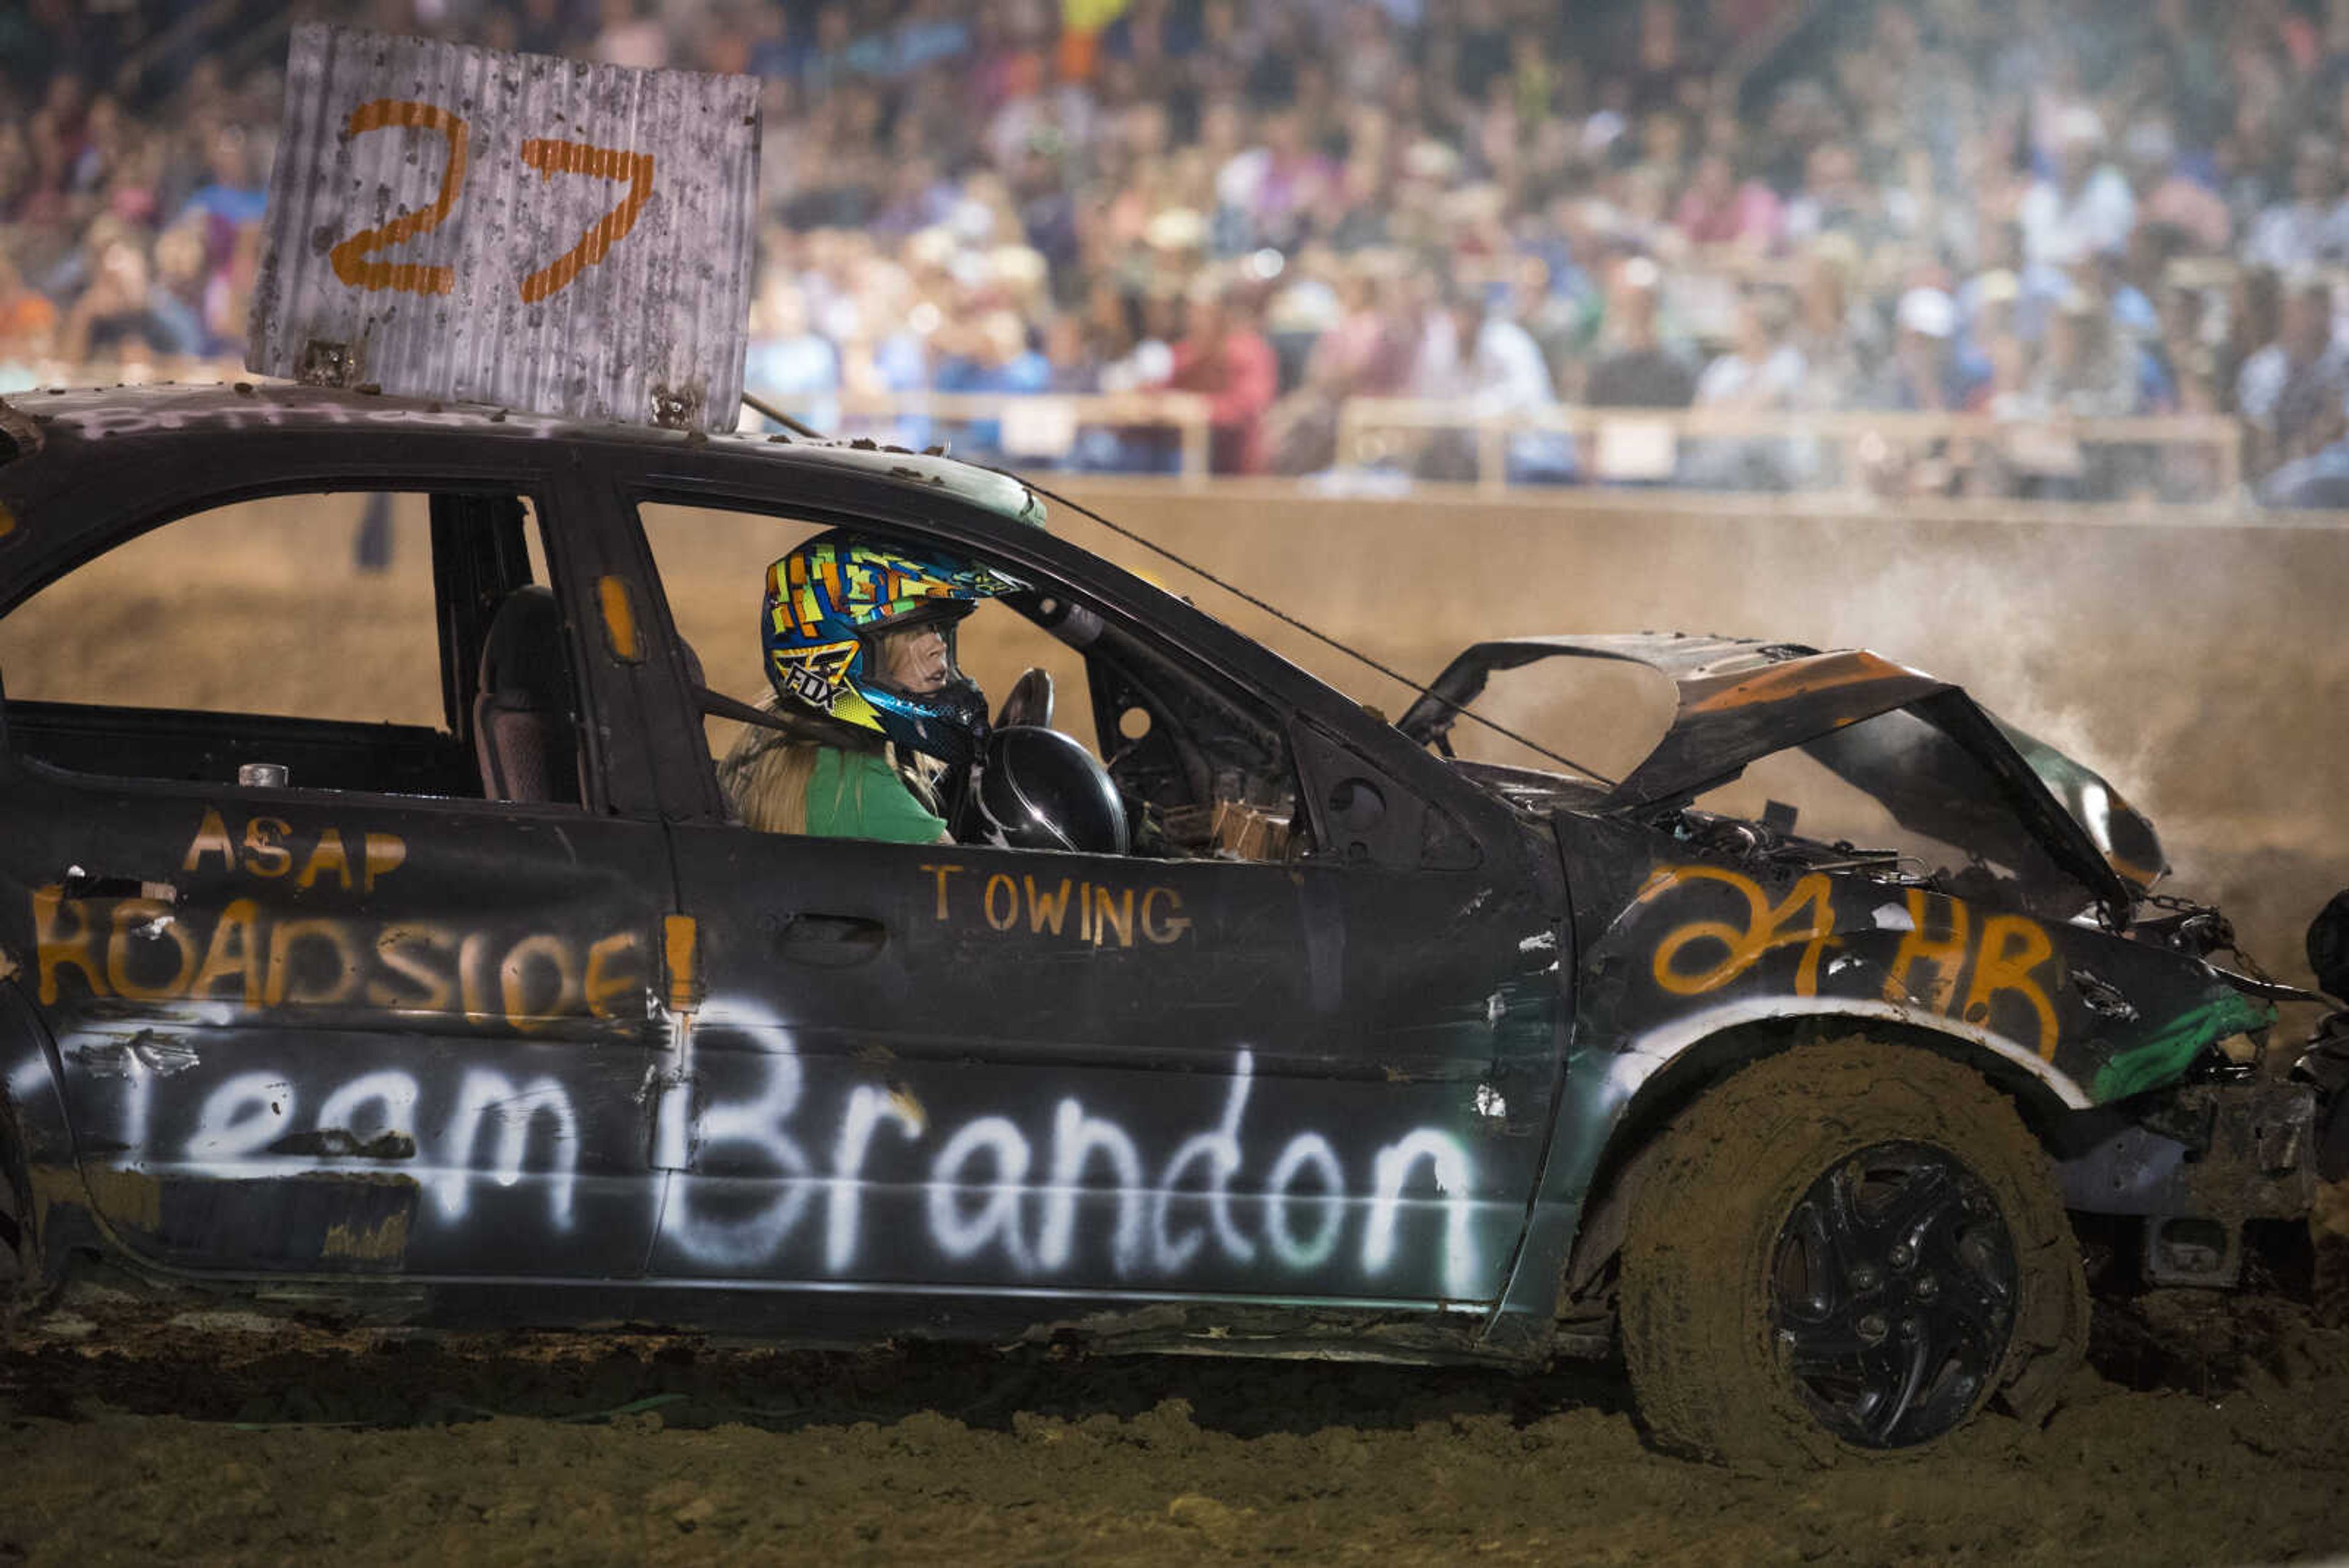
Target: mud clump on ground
[(202, 1442)]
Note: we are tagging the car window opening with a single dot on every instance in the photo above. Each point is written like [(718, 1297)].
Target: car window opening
[(1193, 770), (380, 641)]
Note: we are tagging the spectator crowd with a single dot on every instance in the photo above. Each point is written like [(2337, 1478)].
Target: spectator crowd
[(2034, 210)]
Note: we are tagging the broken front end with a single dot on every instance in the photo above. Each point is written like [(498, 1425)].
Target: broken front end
[(1824, 844)]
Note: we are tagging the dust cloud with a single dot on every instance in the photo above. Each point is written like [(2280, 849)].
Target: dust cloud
[(2198, 667)]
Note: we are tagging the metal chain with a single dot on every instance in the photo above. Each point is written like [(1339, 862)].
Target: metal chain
[(2226, 931)]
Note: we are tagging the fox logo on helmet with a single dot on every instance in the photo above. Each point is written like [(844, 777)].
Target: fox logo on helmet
[(814, 676)]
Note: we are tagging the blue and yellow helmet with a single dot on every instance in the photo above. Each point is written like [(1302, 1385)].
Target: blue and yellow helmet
[(831, 603)]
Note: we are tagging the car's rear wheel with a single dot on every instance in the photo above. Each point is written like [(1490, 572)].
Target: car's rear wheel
[(1845, 1249)]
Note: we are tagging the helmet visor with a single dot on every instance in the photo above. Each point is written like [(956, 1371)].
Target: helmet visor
[(914, 685)]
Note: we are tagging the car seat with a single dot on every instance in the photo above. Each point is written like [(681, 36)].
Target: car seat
[(525, 713)]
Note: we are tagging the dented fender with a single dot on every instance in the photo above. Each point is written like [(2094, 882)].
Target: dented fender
[(2090, 1016), (1681, 955)]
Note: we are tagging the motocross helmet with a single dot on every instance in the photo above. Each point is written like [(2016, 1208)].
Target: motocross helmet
[(828, 608)]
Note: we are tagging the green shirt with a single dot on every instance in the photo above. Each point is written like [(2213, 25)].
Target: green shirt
[(857, 795)]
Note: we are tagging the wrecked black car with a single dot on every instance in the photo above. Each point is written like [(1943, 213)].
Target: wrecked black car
[(495, 1015)]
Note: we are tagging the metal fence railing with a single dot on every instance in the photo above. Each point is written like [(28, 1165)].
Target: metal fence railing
[(2196, 458), (1716, 447), (2188, 458)]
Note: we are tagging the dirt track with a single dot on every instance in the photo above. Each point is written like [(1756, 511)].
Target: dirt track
[(2201, 671), (221, 1445)]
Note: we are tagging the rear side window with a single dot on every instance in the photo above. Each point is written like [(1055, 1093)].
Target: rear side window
[(310, 606), (301, 640)]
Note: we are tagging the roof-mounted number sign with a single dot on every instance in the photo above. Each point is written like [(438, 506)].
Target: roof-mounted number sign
[(568, 239)]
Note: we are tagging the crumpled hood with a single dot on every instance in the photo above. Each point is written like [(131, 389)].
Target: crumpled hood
[(1741, 699)]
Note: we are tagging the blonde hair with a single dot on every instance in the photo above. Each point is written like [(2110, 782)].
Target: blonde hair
[(769, 784), (766, 776)]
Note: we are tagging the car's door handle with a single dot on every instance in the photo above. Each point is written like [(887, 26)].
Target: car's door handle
[(831, 941)]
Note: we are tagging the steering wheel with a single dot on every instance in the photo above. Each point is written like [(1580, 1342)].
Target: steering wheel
[(1029, 701)]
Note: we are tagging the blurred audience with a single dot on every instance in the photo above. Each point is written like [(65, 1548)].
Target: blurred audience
[(1224, 358), (2028, 209)]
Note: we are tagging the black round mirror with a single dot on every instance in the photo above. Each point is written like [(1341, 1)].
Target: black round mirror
[(1356, 806), (1029, 702)]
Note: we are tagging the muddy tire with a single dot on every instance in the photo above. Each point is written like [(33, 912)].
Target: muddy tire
[(1845, 1250)]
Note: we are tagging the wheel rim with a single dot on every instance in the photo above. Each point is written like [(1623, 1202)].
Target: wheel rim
[(1892, 1292)]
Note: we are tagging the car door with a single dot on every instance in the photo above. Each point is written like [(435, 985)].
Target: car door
[(309, 1009), (1319, 1077)]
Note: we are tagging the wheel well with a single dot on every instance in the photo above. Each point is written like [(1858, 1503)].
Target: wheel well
[(1677, 1084)]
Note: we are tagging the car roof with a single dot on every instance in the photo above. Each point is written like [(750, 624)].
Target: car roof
[(57, 429)]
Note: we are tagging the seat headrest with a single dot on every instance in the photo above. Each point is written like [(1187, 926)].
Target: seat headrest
[(523, 654)]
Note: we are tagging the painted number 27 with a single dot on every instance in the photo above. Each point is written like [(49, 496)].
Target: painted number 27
[(350, 258)]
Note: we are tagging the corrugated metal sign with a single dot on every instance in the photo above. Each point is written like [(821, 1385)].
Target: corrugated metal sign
[(546, 235)]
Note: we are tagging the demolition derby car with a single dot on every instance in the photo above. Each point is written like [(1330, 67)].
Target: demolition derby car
[(1364, 1048)]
